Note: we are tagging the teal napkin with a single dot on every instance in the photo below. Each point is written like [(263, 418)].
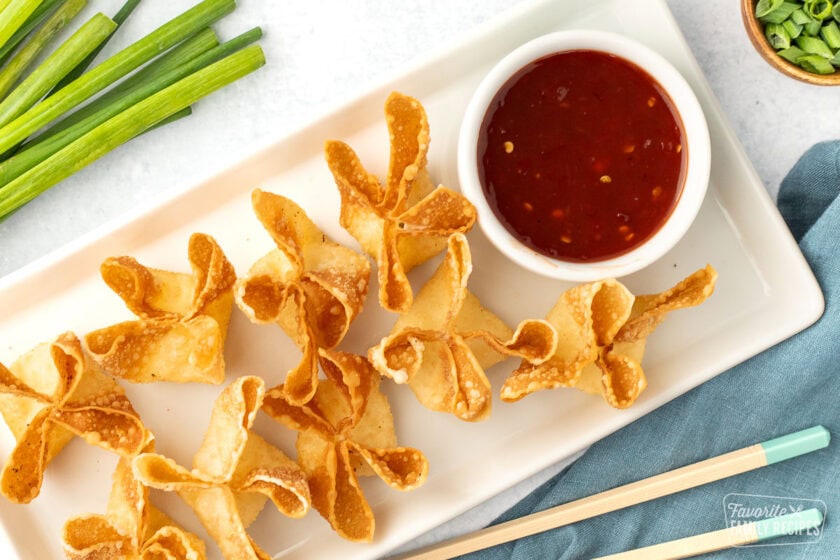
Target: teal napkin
[(792, 386)]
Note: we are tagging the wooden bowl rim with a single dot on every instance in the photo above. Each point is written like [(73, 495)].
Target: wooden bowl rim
[(755, 31)]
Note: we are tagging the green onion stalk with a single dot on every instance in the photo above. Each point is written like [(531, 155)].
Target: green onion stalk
[(112, 69), (43, 149), (55, 67), (126, 125), (40, 39)]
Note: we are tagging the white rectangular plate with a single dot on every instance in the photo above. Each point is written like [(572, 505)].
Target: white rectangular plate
[(766, 292)]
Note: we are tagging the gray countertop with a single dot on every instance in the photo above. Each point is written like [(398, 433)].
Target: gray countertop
[(323, 52)]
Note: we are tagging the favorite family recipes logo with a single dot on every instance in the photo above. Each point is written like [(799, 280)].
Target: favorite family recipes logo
[(742, 509)]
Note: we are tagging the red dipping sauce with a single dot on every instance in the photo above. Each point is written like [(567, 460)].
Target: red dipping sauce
[(581, 156)]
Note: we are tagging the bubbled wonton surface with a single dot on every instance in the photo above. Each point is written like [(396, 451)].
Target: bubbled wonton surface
[(182, 320), (131, 529), (51, 394), (347, 431), (234, 473), (309, 285), (602, 331), (407, 220), (441, 346)]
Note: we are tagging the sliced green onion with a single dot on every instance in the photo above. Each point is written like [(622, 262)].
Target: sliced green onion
[(42, 149), (836, 60), (94, 81), (812, 28), (764, 7), (816, 64), (812, 45), (780, 13), (791, 54), (37, 18), (27, 55), (196, 45), (793, 30), (831, 35), (126, 126), (818, 9), (777, 36), (799, 17), (119, 18), (55, 67), (14, 15), (835, 12)]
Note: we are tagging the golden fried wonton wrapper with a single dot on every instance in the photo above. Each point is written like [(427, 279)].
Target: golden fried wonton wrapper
[(603, 330), (311, 286), (406, 221), (183, 319), (446, 340), (51, 394), (347, 431), (234, 473), (133, 529)]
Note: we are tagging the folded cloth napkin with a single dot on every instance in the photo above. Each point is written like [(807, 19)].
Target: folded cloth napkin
[(792, 386)]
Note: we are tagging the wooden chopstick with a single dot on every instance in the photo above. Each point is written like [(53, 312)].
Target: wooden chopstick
[(748, 533), (671, 482)]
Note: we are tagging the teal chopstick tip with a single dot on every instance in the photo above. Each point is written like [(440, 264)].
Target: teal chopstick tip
[(791, 524), (796, 444)]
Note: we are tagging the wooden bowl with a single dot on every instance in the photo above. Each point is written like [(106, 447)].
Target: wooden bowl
[(755, 31)]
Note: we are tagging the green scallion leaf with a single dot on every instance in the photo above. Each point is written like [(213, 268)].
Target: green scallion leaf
[(780, 13), (812, 28), (791, 54), (196, 45), (793, 30), (764, 7), (812, 45), (37, 18), (119, 18), (111, 70), (40, 150), (55, 67), (777, 36), (126, 126), (14, 15), (831, 35), (799, 17), (818, 9), (816, 64), (27, 54), (182, 114)]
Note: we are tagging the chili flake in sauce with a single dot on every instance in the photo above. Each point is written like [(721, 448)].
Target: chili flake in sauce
[(581, 156)]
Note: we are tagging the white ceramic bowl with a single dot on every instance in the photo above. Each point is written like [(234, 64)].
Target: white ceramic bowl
[(696, 142)]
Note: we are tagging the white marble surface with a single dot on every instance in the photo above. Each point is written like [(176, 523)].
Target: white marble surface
[(322, 52)]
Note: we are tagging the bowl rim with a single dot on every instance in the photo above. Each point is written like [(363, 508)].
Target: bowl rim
[(697, 145), (755, 33)]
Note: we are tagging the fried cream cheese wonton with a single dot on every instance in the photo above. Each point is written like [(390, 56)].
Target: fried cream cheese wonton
[(182, 319), (234, 474), (602, 331), (309, 285), (444, 342), (133, 529), (347, 431), (51, 394), (407, 220)]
